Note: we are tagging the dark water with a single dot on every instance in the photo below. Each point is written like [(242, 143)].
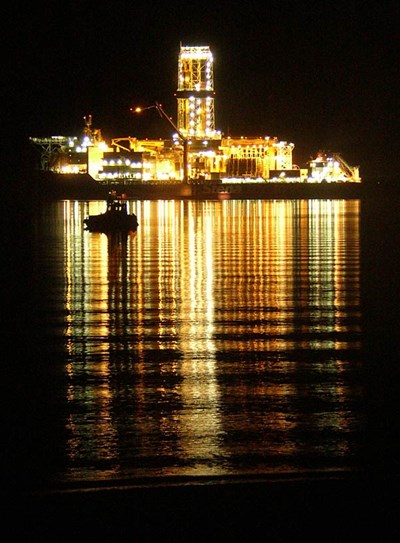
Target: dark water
[(225, 339)]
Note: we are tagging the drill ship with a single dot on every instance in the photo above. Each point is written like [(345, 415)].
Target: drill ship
[(197, 160)]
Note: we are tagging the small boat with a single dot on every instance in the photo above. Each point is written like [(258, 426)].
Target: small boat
[(115, 219)]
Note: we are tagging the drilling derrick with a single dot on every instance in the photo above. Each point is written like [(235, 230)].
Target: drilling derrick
[(195, 93)]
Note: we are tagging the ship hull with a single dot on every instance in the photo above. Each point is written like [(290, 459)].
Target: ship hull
[(84, 187)]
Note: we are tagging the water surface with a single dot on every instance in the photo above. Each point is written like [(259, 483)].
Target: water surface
[(223, 338)]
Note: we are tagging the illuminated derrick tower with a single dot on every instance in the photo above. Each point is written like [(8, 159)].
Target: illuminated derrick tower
[(195, 93)]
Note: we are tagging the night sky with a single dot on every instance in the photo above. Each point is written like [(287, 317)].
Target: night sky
[(323, 75)]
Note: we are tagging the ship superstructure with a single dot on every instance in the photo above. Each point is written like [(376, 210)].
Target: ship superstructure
[(331, 167), (69, 154), (258, 158), (196, 152)]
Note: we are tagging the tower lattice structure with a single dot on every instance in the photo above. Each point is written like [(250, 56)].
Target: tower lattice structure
[(195, 95)]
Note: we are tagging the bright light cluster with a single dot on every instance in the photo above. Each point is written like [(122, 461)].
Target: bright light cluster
[(195, 74)]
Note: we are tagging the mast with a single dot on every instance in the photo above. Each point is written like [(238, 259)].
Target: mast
[(195, 93)]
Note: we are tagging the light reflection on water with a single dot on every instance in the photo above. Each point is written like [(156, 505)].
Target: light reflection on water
[(220, 338)]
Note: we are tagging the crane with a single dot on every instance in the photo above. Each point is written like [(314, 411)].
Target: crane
[(182, 137)]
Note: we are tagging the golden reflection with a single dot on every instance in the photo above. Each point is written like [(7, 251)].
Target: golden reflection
[(205, 292)]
